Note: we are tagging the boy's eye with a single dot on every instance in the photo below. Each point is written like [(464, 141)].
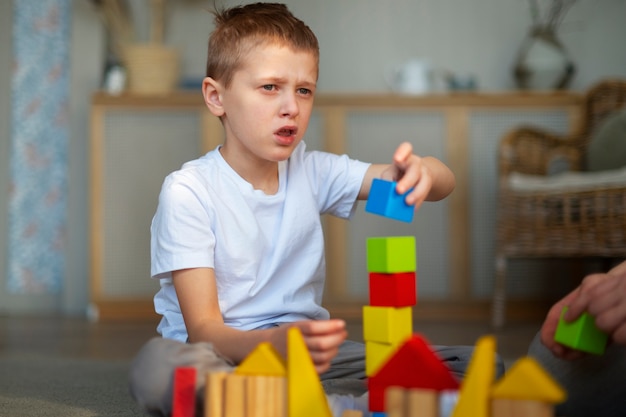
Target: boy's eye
[(304, 91), (269, 87)]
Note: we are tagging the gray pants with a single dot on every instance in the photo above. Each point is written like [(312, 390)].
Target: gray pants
[(152, 369), (595, 385)]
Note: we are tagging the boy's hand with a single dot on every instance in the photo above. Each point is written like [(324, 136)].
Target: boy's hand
[(322, 338), (409, 171)]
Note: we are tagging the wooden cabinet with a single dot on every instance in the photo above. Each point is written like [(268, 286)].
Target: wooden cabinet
[(136, 141)]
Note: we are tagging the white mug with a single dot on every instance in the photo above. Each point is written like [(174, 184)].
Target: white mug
[(413, 77)]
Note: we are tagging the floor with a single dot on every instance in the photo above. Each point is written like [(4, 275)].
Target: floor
[(53, 366), (79, 338)]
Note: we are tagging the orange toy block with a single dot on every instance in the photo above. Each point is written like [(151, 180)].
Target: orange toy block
[(376, 354), (214, 394), (389, 325), (184, 400), (352, 413), (504, 407), (527, 380), (476, 387), (305, 395), (393, 290), (263, 360), (414, 365)]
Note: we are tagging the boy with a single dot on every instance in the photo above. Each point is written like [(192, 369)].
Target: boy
[(237, 239)]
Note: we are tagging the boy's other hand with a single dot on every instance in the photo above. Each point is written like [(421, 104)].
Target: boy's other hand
[(322, 338)]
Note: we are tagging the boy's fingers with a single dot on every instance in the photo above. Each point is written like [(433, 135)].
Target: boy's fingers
[(402, 153)]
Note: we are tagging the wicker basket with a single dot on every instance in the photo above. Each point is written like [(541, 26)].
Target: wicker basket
[(152, 69)]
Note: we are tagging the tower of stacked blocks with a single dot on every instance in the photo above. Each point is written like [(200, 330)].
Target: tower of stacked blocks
[(391, 265)]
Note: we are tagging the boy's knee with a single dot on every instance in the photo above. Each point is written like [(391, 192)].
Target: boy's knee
[(152, 370)]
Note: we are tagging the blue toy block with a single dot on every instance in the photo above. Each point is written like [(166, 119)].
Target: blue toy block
[(384, 200), (379, 414)]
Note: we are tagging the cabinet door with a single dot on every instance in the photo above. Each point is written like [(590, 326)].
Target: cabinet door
[(133, 151)]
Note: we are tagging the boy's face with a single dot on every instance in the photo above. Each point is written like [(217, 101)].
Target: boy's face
[(266, 108)]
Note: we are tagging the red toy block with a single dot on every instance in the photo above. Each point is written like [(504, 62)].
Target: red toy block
[(393, 290), (414, 365), (184, 396)]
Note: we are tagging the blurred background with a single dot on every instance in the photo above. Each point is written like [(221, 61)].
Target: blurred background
[(439, 73)]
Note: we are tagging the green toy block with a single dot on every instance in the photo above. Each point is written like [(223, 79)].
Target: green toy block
[(581, 334), (391, 254)]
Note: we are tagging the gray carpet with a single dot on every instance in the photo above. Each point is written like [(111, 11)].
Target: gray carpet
[(36, 386)]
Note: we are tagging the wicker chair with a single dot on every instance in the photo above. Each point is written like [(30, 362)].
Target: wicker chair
[(564, 222)]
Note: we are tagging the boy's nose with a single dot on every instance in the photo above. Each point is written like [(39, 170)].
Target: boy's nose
[(290, 106)]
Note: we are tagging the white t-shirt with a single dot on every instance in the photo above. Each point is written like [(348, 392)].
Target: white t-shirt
[(267, 251)]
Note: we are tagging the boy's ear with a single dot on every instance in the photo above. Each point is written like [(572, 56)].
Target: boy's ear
[(212, 92)]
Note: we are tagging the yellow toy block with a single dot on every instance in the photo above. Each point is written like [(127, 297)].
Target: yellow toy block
[(263, 360), (389, 325), (527, 380), (504, 407), (476, 387), (376, 355), (305, 395)]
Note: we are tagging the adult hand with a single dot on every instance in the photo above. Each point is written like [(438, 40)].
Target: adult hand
[(604, 297)]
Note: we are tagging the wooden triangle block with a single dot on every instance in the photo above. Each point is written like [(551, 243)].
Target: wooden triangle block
[(476, 387), (305, 395), (414, 365), (527, 380), (263, 360)]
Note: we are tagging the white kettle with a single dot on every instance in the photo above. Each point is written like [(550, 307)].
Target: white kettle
[(412, 77)]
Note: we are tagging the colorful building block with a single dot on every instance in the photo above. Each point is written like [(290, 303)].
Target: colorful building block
[(527, 380), (391, 254), (581, 334), (184, 392), (352, 413), (414, 365), (234, 395), (305, 395), (504, 407), (422, 402), (384, 200), (376, 354), (263, 360), (476, 387), (393, 290), (214, 394), (387, 324)]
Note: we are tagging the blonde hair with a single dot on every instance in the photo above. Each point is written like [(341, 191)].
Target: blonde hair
[(240, 29)]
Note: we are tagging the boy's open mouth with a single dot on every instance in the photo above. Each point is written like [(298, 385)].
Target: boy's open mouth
[(286, 132)]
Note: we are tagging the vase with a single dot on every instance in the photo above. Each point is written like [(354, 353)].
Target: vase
[(543, 63)]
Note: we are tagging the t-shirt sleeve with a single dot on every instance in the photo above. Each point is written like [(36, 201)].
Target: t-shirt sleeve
[(338, 181), (181, 233)]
